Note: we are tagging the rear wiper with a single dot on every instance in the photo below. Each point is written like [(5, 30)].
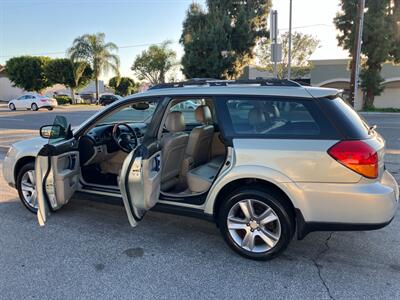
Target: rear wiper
[(371, 128)]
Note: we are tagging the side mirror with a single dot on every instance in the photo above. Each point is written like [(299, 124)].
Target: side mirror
[(52, 132)]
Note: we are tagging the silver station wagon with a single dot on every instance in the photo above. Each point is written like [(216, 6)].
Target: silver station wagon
[(266, 160)]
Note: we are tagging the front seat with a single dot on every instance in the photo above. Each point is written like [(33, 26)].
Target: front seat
[(200, 138), (173, 145), (258, 120)]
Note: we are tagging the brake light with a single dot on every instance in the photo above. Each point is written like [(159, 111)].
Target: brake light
[(357, 156), (43, 100)]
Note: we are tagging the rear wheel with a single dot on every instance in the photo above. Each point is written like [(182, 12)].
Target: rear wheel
[(34, 107), (26, 186), (255, 224), (11, 106), (50, 108)]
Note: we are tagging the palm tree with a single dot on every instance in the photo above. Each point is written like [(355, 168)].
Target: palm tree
[(93, 49)]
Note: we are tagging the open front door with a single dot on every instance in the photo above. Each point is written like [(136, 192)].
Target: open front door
[(57, 171), (140, 180)]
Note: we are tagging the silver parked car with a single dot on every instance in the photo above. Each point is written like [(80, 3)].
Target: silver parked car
[(266, 160)]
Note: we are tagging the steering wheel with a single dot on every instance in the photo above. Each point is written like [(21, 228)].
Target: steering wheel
[(127, 141)]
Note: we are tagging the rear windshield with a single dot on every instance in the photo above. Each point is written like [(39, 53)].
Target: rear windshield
[(346, 119), (270, 117)]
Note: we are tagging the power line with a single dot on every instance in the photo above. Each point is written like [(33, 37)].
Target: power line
[(64, 52), (149, 44)]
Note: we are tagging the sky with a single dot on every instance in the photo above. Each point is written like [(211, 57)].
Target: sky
[(48, 27)]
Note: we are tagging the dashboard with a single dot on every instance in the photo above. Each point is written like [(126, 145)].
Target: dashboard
[(98, 142)]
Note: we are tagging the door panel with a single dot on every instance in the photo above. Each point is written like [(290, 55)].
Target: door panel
[(57, 176), (140, 181)]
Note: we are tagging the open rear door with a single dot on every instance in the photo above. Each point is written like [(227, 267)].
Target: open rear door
[(140, 180), (57, 171)]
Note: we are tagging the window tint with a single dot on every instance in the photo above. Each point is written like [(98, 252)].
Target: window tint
[(349, 122), (272, 118)]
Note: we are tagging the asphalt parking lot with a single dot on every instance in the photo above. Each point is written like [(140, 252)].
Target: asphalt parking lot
[(88, 250)]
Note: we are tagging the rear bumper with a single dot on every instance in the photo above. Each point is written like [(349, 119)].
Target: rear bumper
[(303, 228), (335, 207), (47, 105)]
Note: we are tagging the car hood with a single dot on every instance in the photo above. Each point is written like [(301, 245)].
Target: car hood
[(31, 146)]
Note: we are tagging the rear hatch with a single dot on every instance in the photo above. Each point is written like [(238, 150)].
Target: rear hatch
[(361, 146)]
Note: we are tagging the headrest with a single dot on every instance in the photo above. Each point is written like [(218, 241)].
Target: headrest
[(203, 114), (175, 121), (271, 110), (256, 117)]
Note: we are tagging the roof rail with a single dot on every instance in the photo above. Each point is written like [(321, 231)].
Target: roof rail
[(218, 82)]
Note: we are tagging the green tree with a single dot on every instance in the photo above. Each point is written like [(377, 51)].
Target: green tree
[(72, 75), (28, 72), (377, 41), (92, 49), (395, 19), (303, 46), (153, 64), (219, 42), (123, 86)]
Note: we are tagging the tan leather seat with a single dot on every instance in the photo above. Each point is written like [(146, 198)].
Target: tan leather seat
[(200, 139), (173, 145)]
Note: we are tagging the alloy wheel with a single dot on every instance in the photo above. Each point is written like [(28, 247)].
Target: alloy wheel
[(28, 189), (254, 226)]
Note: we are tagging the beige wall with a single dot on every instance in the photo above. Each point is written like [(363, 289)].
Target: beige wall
[(390, 97), (7, 91)]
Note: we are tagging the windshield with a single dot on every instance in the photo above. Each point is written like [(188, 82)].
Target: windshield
[(139, 112)]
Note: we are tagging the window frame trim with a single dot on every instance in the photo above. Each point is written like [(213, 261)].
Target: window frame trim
[(226, 124)]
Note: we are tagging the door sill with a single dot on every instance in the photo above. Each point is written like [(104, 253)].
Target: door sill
[(100, 191)]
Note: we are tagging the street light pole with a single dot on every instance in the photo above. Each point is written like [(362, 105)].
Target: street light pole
[(290, 43), (355, 70)]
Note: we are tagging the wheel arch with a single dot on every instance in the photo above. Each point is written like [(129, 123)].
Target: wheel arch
[(255, 183), (20, 163)]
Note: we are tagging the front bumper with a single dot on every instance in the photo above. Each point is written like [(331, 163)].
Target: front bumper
[(334, 207), (8, 167)]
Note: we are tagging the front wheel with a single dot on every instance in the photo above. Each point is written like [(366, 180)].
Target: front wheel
[(11, 106), (255, 224), (26, 186), (34, 107)]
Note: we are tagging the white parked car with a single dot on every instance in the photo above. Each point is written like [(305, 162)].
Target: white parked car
[(33, 102)]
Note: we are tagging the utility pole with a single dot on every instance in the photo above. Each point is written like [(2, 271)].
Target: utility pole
[(290, 43), (355, 63), (276, 49), (274, 39)]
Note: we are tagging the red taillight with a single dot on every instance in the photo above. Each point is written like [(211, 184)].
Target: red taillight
[(43, 100), (357, 156)]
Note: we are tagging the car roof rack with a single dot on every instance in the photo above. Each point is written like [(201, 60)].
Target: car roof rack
[(218, 82)]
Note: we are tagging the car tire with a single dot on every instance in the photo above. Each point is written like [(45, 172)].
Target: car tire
[(50, 108), (34, 107), (23, 182), (11, 106), (250, 236)]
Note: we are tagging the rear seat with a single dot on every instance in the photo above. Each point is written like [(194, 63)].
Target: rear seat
[(200, 179)]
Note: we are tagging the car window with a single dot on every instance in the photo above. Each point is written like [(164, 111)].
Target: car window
[(136, 112), (272, 118), (187, 108), (21, 98)]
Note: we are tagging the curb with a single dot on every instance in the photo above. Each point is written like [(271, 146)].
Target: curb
[(379, 113)]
